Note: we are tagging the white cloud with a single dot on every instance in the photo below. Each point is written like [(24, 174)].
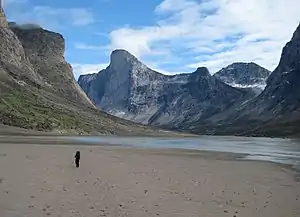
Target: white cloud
[(76, 16), (215, 33), (83, 69), (50, 17), (83, 46)]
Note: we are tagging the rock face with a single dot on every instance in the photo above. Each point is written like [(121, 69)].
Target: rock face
[(201, 103), (129, 89), (124, 87), (3, 22), (244, 75), (282, 94), (38, 90), (45, 51), (12, 55), (276, 111)]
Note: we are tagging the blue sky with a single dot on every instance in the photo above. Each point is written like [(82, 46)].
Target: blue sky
[(170, 36)]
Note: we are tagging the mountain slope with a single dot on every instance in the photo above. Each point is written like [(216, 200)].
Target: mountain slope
[(244, 75), (276, 111), (129, 89), (38, 91), (279, 104)]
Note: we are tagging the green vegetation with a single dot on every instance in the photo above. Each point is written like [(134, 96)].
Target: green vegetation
[(49, 111), (26, 109)]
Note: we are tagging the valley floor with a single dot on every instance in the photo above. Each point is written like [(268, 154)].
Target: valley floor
[(41, 180)]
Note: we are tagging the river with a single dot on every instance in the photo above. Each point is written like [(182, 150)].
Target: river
[(284, 151)]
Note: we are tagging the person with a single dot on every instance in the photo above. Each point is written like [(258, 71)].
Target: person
[(77, 158)]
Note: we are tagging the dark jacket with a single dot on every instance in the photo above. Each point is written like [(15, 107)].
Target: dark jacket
[(77, 155)]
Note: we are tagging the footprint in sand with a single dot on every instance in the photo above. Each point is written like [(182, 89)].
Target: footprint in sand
[(64, 189), (1, 180)]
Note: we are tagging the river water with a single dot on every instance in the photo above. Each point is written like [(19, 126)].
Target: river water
[(284, 151)]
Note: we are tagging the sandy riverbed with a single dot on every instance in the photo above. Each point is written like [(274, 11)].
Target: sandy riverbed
[(41, 180)]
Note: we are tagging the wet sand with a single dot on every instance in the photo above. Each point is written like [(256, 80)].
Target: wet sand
[(41, 180)]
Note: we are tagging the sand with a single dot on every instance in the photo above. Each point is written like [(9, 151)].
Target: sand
[(40, 180)]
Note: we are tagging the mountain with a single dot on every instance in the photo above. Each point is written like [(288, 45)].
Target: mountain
[(279, 104), (38, 90), (129, 89), (244, 75), (201, 103), (276, 111)]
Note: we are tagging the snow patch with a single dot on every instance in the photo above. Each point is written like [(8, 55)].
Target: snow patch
[(260, 85)]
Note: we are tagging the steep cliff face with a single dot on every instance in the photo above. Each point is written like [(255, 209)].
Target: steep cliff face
[(125, 88), (282, 94), (3, 22), (38, 90), (45, 51), (12, 55), (129, 89)]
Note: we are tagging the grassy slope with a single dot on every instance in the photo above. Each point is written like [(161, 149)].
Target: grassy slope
[(44, 110)]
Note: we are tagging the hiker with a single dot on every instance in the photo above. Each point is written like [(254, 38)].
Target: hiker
[(77, 158)]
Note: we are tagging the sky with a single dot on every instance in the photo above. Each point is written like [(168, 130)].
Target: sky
[(170, 36)]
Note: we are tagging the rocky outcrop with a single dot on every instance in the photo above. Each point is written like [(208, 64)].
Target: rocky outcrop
[(129, 89), (244, 75), (3, 22), (45, 51), (282, 94), (125, 88), (12, 55)]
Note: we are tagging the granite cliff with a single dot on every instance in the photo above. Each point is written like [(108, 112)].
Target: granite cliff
[(129, 89)]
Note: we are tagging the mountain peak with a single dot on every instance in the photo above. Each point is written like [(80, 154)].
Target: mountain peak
[(296, 35), (122, 57), (242, 64), (289, 61), (202, 71), (121, 53), (244, 75)]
